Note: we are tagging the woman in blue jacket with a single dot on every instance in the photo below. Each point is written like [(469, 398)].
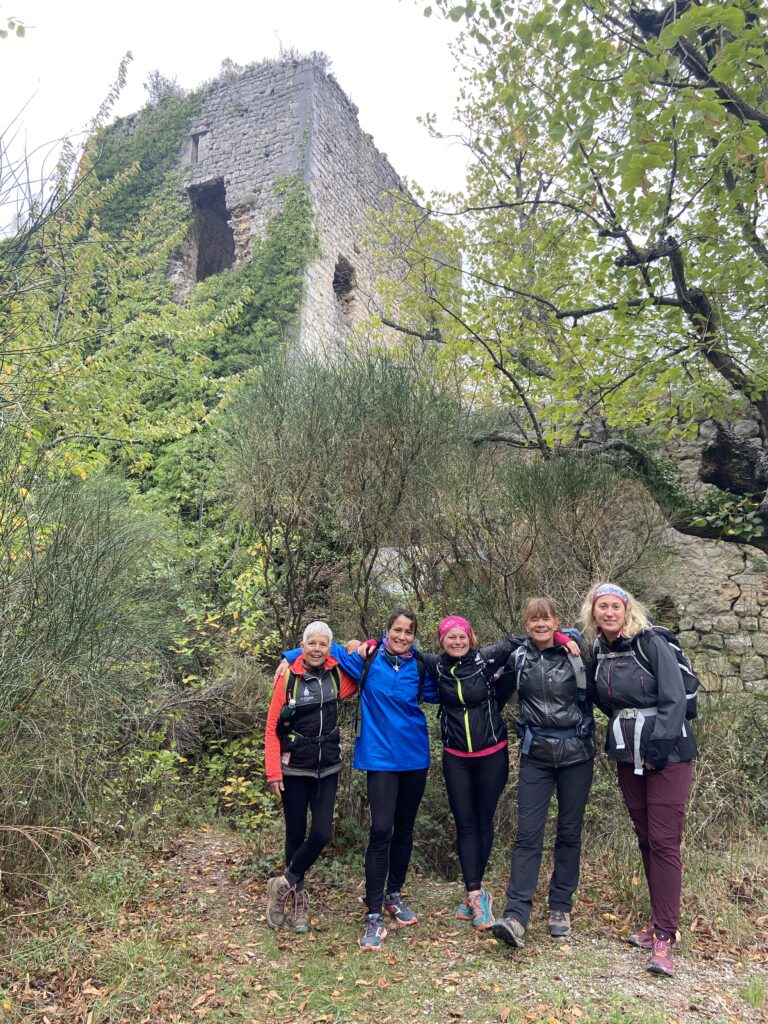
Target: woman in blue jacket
[(392, 747)]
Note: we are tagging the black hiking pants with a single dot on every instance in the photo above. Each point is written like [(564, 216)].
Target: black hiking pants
[(474, 785), (534, 792)]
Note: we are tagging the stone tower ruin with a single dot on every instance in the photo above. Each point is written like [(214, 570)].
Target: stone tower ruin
[(278, 119)]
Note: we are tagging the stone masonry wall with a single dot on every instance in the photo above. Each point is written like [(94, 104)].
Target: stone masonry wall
[(253, 130), (719, 590), (719, 593), (348, 179)]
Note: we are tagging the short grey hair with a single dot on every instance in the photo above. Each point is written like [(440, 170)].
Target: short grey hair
[(317, 629)]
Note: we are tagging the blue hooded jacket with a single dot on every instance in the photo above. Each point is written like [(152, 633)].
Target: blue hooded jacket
[(393, 733)]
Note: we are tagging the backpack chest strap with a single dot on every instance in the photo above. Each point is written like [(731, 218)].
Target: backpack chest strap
[(639, 715)]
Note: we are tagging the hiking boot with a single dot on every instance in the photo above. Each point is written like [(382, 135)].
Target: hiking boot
[(395, 905), (278, 891), (661, 957), (559, 924), (301, 912), (482, 916), (642, 939), (464, 911), (509, 931), (375, 932)]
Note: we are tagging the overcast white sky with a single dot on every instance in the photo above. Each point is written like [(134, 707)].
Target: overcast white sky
[(394, 63)]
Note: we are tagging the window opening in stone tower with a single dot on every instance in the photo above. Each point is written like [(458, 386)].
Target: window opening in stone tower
[(344, 282), (194, 155), (215, 241)]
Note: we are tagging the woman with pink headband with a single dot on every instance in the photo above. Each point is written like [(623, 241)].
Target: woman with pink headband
[(473, 686), (639, 685)]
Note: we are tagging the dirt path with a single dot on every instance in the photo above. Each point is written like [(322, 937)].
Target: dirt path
[(193, 945)]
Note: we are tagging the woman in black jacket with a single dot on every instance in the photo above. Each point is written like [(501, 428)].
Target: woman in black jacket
[(556, 754), (636, 681), (473, 685)]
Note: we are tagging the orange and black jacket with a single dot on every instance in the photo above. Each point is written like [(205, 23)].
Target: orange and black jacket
[(307, 743)]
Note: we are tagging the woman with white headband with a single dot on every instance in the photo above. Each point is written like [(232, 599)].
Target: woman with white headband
[(303, 761), (639, 685)]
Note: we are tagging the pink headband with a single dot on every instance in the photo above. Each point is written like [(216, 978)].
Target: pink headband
[(611, 590), (453, 622)]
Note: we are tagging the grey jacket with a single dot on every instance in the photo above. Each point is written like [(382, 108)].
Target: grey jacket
[(633, 697), (555, 723)]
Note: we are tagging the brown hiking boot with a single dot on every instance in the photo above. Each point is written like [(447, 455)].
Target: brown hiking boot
[(278, 891), (301, 923), (559, 924)]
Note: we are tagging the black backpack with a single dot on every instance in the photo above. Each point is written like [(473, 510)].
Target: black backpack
[(690, 680)]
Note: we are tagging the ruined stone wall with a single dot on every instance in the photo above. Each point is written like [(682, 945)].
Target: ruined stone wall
[(717, 594), (252, 130), (719, 591), (348, 180)]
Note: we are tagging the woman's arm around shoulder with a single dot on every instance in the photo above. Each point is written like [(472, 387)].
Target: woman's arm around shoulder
[(428, 660), (430, 693), (500, 659), (352, 664)]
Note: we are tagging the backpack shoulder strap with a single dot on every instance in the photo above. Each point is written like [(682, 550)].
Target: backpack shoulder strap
[(519, 657), (578, 670), (290, 685), (335, 674), (640, 653), (367, 662), (422, 670)]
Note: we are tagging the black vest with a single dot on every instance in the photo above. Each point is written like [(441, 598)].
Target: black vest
[(309, 737)]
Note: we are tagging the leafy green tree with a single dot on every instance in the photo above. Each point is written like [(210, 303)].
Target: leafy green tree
[(614, 234), (149, 141), (330, 465)]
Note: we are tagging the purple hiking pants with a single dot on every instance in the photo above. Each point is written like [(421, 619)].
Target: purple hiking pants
[(656, 803)]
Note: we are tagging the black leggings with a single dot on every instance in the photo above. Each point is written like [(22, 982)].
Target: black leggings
[(393, 801), (474, 785), (302, 794)]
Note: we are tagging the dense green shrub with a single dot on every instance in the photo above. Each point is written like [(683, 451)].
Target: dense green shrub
[(87, 607)]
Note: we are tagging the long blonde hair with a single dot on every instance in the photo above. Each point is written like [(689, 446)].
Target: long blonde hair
[(637, 616)]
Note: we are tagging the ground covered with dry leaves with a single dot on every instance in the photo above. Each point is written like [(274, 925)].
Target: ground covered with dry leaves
[(183, 939)]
